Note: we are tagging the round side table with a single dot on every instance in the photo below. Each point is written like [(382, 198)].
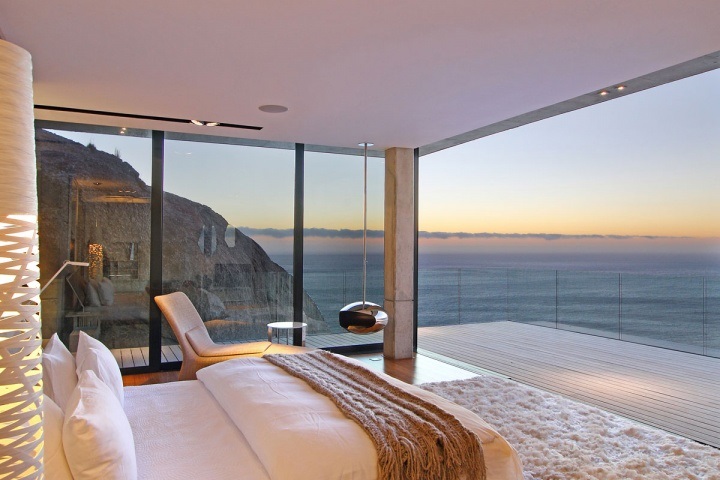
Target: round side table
[(275, 328)]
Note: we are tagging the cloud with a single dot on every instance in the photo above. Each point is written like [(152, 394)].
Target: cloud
[(310, 232), (352, 234), (535, 236)]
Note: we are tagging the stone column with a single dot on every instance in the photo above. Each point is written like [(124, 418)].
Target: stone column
[(399, 252)]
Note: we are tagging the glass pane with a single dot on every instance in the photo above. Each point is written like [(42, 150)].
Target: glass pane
[(531, 296), (228, 215), (483, 295), (333, 242), (712, 316), (663, 310), (627, 186), (94, 207), (589, 302), (438, 297)]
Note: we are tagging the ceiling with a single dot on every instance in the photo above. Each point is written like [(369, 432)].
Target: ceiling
[(401, 73)]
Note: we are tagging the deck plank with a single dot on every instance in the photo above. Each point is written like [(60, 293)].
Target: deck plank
[(177, 351), (676, 391), (168, 354)]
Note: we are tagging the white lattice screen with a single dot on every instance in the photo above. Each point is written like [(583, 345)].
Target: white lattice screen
[(21, 436)]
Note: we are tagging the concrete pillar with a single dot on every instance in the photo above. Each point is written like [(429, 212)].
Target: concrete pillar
[(399, 252)]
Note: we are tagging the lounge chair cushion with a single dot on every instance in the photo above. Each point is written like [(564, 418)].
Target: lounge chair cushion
[(205, 347)]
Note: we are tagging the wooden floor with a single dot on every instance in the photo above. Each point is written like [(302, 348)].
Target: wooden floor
[(139, 357), (675, 391), (421, 369)]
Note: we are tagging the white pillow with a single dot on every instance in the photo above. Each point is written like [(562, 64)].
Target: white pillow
[(56, 466), (93, 355), (97, 437), (106, 291), (59, 377), (92, 298)]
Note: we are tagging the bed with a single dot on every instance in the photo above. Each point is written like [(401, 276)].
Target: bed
[(250, 419)]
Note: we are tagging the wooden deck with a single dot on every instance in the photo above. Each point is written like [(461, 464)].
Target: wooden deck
[(139, 357), (675, 391)]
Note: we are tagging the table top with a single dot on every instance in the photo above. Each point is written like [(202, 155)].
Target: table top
[(288, 325)]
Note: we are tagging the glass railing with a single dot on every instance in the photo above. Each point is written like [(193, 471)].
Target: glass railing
[(679, 312), (331, 290)]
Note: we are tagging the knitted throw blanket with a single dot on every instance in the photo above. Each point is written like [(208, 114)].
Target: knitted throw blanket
[(414, 439)]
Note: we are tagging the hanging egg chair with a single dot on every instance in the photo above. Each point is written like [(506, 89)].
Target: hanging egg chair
[(363, 317)]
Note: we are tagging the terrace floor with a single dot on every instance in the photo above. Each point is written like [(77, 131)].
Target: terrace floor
[(675, 391)]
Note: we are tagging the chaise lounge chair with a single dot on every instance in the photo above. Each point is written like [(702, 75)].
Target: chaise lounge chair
[(197, 347)]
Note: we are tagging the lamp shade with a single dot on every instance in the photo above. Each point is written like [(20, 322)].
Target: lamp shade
[(21, 439), (18, 186)]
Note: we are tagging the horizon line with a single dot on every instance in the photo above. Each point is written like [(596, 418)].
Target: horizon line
[(356, 234)]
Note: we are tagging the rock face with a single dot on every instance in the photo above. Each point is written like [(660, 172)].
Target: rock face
[(89, 198)]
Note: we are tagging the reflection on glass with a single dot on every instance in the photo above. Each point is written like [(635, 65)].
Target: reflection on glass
[(231, 278), (94, 207)]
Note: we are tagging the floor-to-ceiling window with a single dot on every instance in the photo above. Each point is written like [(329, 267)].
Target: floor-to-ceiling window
[(227, 237), (222, 206), (94, 207), (333, 241), (603, 220)]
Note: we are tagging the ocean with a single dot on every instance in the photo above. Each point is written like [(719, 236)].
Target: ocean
[(670, 300)]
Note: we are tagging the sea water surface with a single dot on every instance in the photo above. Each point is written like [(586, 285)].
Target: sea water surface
[(669, 300)]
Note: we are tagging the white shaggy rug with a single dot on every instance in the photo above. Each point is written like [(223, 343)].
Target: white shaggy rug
[(559, 439)]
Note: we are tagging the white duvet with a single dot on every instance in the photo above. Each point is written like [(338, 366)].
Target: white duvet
[(248, 419), (299, 434)]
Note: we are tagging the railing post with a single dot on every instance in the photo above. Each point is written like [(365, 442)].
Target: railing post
[(619, 306), (507, 294), (459, 292), (556, 299), (704, 315)]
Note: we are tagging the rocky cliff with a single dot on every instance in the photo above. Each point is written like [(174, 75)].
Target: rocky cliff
[(88, 198)]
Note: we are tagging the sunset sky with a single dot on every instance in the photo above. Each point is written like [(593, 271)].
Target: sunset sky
[(644, 165)]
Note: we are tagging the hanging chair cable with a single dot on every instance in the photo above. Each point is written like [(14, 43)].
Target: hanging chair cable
[(365, 228), (363, 317)]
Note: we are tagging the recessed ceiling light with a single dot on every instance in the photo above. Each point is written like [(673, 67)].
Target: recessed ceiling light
[(273, 108), (97, 183), (603, 93), (620, 87), (201, 123)]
